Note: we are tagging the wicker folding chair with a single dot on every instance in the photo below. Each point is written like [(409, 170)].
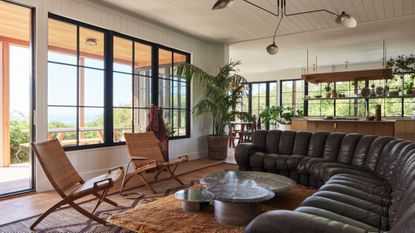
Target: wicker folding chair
[(67, 182), (145, 154)]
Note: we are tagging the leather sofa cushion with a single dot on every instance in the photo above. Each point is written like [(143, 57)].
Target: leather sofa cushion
[(317, 142), (284, 221), (331, 148), (331, 171), (347, 148), (302, 139), (354, 201), (272, 141), (340, 218), (305, 164), (389, 160), (406, 222), (362, 149), (375, 151), (286, 142), (256, 161), (276, 163), (366, 180), (376, 198), (379, 190), (349, 211)]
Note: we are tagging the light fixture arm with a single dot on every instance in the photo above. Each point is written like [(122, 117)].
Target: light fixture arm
[(276, 29), (268, 11), (284, 6)]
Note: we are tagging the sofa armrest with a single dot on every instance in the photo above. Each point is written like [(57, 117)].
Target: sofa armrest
[(242, 153), (284, 221)]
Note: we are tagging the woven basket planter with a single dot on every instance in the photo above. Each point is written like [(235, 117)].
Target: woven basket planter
[(217, 147)]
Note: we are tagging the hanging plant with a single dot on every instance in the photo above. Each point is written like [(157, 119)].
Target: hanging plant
[(402, 65)]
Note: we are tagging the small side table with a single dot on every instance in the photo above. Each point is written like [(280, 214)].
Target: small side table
[(192, 199)]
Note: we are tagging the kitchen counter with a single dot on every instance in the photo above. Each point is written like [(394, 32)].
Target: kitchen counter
[(403, 128), (349, 120)]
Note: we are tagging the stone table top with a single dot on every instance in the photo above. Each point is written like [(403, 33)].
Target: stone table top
[(248, 192), (193, 195), (270, 181)]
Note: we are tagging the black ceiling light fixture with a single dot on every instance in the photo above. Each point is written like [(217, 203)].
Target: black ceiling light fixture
[(343, 19)]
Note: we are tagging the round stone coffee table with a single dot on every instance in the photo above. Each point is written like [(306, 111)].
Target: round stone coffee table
[(237, 194), (270, 181), (192, 199), (238, 203)]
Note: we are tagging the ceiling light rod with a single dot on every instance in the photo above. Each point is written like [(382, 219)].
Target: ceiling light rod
[(284, 6), (268, 11)]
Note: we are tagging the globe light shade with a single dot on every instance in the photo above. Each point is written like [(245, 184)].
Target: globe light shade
[(272, 49), (346, 20), (221, 4)]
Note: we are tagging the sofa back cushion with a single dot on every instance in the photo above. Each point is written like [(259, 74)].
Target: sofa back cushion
[(362, 149), (375, 150), (402, 197), (347, 148), (389, 159), (332, 146), (272, 142), (302, 140), (259, 139), (286, 142), (317, 142)]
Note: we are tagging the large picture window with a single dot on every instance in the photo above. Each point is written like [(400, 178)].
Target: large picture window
[(292, 94), (76, 78), (173, 92), (132, 66), (101, 84), (260, 95)]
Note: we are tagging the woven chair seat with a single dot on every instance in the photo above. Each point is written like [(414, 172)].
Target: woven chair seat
[(97, 183)]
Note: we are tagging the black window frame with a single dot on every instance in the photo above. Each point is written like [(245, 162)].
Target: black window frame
[(108, 81), (267, 95), (33, 94)]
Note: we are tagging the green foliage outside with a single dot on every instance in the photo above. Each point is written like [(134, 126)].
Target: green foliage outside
[(19, 134)]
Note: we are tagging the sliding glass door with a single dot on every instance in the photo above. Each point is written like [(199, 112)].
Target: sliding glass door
[(16, 98)]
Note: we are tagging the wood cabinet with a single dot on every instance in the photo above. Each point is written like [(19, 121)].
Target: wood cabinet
[(382, 128), (405, 129)]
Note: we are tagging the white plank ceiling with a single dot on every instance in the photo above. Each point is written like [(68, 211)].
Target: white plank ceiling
[(243, 22)]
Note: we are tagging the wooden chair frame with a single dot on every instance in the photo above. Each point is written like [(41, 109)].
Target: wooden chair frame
[(79, 189), (153, 161)]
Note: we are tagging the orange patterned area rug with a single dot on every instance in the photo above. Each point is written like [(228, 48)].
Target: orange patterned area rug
[(166, 215)]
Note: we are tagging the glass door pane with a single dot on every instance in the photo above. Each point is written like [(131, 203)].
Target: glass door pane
[(15, 102)]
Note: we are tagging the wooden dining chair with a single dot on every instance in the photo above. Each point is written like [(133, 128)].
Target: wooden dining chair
[(67, 182), (145, 154), (245, 135)]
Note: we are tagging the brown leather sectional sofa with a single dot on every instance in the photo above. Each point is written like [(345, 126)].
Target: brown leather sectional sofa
[(366, 183)]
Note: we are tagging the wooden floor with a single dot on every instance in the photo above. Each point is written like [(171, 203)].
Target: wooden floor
[(13, 209)]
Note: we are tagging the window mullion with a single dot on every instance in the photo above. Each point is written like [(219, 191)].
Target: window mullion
[(133, 87), (77, 83)]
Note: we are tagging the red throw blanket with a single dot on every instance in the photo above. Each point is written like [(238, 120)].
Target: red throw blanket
[(156, 124)]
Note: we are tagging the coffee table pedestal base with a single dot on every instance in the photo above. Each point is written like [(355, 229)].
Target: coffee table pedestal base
[(189, 206), (235, 213)]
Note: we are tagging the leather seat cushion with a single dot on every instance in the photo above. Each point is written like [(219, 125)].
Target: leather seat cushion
[(382, 199), (359, 214), (354, 201), (305, 164), (340, 218), (331, 171), (274, 162), (256, 161), (358, 179)]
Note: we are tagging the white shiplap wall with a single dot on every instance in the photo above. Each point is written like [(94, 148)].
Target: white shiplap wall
[(94, 161)]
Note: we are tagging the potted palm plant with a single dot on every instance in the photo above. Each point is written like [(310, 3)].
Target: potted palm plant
[(221, 93)]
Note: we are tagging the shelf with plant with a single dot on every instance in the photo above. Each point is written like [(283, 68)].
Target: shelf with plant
[(279, 115)]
